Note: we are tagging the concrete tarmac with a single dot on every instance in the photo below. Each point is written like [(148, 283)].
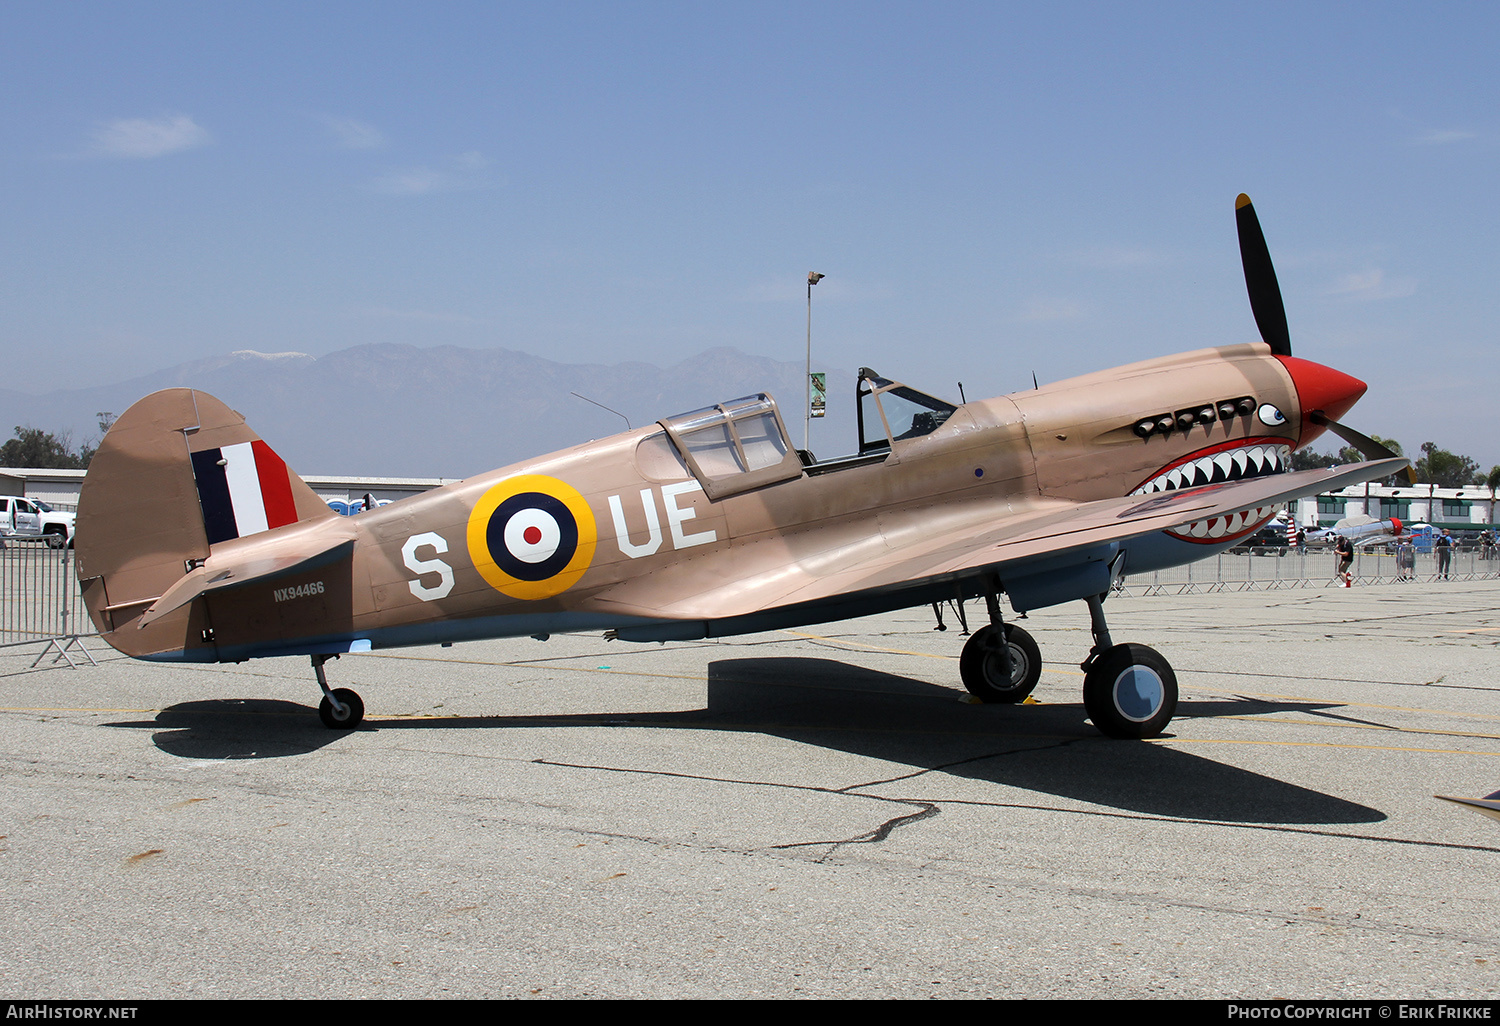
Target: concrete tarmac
[(796, 814)]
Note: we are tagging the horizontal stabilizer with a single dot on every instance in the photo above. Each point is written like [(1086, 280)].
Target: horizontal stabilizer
[(220, 572)]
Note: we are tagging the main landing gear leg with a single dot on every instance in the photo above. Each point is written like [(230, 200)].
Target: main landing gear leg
[(993, 671), (341, 709), (1129, 691)]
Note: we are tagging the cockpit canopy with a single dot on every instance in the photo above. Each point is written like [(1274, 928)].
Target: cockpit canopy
[(743, 444), (889, 412), (735, 446)]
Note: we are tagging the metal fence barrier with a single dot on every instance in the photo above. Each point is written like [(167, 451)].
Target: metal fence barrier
[(40, 600), (1233, 571)]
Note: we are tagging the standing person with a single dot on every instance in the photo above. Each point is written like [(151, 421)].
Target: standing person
[(1345, 552), (1444, 546), (1406, 560)]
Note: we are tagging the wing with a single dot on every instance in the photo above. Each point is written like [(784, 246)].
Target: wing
[(937, 543)]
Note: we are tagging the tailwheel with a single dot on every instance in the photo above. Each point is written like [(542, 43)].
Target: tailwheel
[(341, 709), (983, 664), (1130, 691), (346, 715)]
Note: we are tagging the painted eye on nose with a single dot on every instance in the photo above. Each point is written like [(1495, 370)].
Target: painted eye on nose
[(1270, 415)]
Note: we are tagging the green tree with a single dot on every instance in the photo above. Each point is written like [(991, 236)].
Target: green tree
[(33, 447), (1395, 447), (1445, 469), (1306, 459), (1492, 482)]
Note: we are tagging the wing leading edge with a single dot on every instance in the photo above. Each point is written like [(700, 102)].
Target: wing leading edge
[(987, 538)]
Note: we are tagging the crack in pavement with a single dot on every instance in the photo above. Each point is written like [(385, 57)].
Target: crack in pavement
[(925, 809)]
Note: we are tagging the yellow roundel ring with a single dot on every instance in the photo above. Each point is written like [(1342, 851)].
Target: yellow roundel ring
[(532, 537)]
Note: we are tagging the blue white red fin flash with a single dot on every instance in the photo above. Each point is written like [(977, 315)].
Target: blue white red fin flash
[(243, 489)]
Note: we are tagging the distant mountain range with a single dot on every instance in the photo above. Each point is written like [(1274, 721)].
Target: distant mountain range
[(405, 411)]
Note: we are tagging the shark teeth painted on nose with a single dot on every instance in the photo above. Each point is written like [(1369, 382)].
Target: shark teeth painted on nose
[(1228, 465), (1236, 463), (1220, 528)]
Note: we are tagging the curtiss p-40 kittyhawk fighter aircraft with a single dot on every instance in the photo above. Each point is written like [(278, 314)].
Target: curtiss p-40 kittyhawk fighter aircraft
[(197, 544)]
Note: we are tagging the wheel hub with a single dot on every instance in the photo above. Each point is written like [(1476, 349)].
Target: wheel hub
[(1139, 693)]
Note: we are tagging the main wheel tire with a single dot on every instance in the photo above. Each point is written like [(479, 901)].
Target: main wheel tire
[(982, 665), (354, 710), (1130, 692), (56, 539)]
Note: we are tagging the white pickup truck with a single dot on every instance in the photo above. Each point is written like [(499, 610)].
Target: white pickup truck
[(33, 520)]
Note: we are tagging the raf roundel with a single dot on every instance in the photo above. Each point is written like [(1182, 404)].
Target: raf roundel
[(531, 537)]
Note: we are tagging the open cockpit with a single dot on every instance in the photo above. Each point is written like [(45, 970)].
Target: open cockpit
[(743, 444), (890, 412)]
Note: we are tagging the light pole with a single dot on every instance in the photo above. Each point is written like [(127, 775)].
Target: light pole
[(813, 277)]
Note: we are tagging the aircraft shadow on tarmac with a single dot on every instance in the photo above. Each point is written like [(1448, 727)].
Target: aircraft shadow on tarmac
[(236, 728), (1049, 749)]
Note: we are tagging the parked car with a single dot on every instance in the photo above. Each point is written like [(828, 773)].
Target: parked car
[(1266, 541), (34, 520)]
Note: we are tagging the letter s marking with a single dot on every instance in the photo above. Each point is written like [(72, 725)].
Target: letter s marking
[(428, 566)]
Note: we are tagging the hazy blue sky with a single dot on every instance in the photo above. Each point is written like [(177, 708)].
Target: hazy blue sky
[(992, 189)]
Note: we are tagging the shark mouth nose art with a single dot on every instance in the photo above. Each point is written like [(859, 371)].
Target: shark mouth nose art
[(1232, 461)]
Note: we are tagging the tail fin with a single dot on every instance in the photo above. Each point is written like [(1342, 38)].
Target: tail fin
[(178, 473)]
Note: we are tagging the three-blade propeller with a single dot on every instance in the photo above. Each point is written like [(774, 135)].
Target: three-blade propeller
[(1270, 317)]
